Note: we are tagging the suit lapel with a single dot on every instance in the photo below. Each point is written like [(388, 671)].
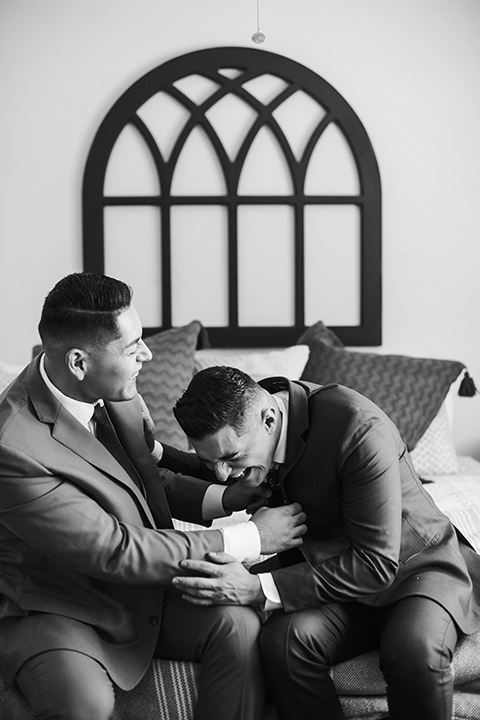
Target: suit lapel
[(73, 435), (297, 425)]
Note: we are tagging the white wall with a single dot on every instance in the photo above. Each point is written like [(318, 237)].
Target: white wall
[(409, 68)]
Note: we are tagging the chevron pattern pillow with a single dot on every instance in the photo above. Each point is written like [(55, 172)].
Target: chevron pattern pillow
[(409, 390), (166, 376)]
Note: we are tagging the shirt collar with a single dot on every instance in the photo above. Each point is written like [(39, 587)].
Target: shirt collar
[(281, 449), (81, 411)]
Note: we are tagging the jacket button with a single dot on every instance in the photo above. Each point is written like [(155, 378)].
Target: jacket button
[(154, 620)]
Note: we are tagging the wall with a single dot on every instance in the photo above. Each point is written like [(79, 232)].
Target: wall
[(409, 68)]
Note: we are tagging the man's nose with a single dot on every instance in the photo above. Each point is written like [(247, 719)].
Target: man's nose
[(144, 353), (222, 471)]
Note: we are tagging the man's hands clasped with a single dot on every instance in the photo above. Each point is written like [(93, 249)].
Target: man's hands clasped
[(222, 580)]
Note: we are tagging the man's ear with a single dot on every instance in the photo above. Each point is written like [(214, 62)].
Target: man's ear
[(75, 360), (270, 418)]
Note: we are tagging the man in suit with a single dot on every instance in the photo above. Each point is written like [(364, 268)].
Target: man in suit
[(380, 566), (87, 546)]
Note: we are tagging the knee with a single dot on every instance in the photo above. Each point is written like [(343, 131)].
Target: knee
[(97, 706), (294, 636), (66, 686), (237, 627), (414, 658)]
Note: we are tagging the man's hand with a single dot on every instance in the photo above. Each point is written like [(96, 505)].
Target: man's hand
[(222, 581), (280, 528), (148, 425), (238, 497)]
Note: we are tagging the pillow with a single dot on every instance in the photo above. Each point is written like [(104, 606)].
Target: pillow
[(8, 372), (288, 362), (319, 331), (435, 454), (410, 390), (166, 376)]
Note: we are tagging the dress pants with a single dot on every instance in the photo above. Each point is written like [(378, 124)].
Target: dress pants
[(416, 638), (67, 685)]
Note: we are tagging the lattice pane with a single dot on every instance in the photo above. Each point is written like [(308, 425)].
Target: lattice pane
[(231, 118), (332, 264), (298, 116), (165, 117), (132, 254), (266, 265), (198, 171), (199, 265), (196, 87), (332, 169), (130, 169), (266, 87), (265, 171)]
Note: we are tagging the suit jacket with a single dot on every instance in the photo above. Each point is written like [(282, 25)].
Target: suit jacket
[(84, 556), (374, 534)]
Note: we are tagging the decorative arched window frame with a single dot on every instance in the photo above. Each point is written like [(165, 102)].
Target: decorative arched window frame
[(247, 65)]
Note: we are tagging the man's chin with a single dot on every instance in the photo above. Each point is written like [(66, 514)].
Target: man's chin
[(126, 395)]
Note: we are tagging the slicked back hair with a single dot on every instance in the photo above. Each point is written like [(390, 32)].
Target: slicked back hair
[(82, 310), (216, 397)]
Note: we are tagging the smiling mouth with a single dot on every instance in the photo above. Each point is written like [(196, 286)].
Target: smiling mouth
[(241, 474)]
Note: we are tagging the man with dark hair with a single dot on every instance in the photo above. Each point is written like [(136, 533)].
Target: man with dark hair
[(87, 546), (380, 565)]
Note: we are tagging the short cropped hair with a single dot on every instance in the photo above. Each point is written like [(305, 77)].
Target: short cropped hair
[(82, 310), (216, 397)]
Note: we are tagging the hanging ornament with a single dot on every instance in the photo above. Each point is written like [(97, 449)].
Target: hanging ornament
[(258, 37)]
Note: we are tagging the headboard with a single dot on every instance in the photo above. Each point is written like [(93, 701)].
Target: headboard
[(237, 187)]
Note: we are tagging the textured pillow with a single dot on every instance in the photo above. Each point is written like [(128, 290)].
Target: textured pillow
[(410, 390), (166, 376), (289, 362), (435, 454), (319, 331)]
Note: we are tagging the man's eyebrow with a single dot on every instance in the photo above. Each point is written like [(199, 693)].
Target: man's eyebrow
[(227, 456), (134, 342)]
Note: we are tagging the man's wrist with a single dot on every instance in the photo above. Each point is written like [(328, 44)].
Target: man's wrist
[(258, 597), (157, 452), (242, 541)]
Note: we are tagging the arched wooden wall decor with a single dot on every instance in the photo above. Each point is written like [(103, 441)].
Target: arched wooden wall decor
[(259, 189)]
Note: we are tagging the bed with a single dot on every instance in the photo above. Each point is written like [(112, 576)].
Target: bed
[(309, 335)]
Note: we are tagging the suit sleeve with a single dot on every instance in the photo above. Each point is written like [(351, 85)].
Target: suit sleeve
[(187, 463), (186, 479), (365, 560), (48, 519)]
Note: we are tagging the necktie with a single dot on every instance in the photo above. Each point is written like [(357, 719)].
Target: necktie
[(272, 481), (106, 434)]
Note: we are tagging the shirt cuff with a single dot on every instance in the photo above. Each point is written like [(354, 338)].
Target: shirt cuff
[(272, 601), (157, 452), (242, 540), (212, 505)]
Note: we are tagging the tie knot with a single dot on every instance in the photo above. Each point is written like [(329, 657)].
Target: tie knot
[(99, 414), (272, 479)]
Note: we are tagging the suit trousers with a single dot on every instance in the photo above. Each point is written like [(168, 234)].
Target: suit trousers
[(67, 685), (416, 638)]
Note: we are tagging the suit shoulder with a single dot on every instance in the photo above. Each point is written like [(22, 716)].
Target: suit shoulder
[(341, 401)]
